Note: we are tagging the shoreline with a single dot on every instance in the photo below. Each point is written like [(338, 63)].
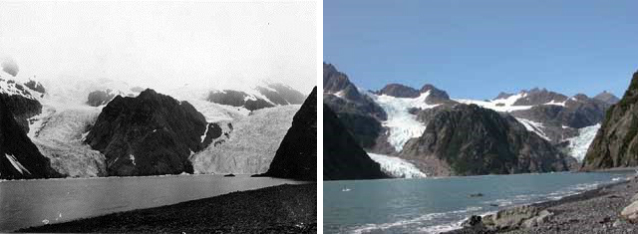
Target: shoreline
[(592, 211), (277, 209)]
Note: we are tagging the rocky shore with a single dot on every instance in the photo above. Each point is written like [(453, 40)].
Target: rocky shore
[(609, 209), (279, 209)]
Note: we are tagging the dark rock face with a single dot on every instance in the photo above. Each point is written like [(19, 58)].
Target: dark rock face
[(360, 115), (99, 97), (296, 157), (19, 157), (469, 140), (343, 158), (607, 97), (282, 94), (399, 90), (36, 86), (151, 134), (22, 109), (539, 96), (238, 99), (616, 144)]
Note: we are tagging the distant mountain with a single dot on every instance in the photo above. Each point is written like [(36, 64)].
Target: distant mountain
[(296, 157), (151, 134), (19, 157), (265, 96), (103, 97), (607, 97), (470, 140), (616, 142), (343, 158)]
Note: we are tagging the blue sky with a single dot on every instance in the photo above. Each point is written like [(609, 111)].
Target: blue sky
[(476, 49)]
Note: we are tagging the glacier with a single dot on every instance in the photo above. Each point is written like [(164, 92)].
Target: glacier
[(397, 167), (251, 145), (579, 145), (59, 135), (402, 125)]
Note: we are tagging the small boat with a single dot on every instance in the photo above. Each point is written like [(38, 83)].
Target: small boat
[(345, 189), (230, 175)]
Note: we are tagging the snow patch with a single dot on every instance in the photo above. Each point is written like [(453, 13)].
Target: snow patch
[(17, 165), (397, 167), (534, 127), (579, 145), (499, 105), (555, 103), (205, 132), (132, 158), (403, 126)]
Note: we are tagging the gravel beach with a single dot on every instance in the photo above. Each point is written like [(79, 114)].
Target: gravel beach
[(279, 209), (594, 211)]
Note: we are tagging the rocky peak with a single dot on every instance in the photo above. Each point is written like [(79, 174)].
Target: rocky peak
[(503, 95), (399, 90), (539, 96), (436, 96), (296, 157), (607, 97), (151, 134)]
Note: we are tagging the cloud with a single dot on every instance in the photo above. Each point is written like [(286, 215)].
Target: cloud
[(164, 44), (9, 65)]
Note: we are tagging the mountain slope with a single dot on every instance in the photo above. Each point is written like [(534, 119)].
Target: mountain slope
[(470, 140), (19, 157), (616, 143), (151, 134), (296, 157), (259, 97), (343, 158)]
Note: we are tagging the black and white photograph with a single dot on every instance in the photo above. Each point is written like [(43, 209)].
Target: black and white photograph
[(158, 117)]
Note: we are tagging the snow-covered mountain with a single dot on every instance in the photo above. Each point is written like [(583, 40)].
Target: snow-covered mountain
[(405, 112), (251, 144), (58, 113)]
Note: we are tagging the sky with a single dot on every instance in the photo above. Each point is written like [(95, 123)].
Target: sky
[(164, 44), (477, 49)]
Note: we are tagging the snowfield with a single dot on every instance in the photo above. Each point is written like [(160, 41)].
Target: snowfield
[(397, 167), (402, 125), (579, 145), (251, 145)]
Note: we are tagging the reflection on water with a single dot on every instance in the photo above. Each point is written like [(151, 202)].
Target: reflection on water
[(28, 203)]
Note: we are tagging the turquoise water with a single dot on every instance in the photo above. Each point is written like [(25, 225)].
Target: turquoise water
[(437, 205), (26, 203)]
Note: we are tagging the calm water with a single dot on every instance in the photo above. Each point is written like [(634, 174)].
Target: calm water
[(437, 205), (29, 202)]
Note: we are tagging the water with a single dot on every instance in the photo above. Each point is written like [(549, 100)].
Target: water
[(438, 205), (27, 203)]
